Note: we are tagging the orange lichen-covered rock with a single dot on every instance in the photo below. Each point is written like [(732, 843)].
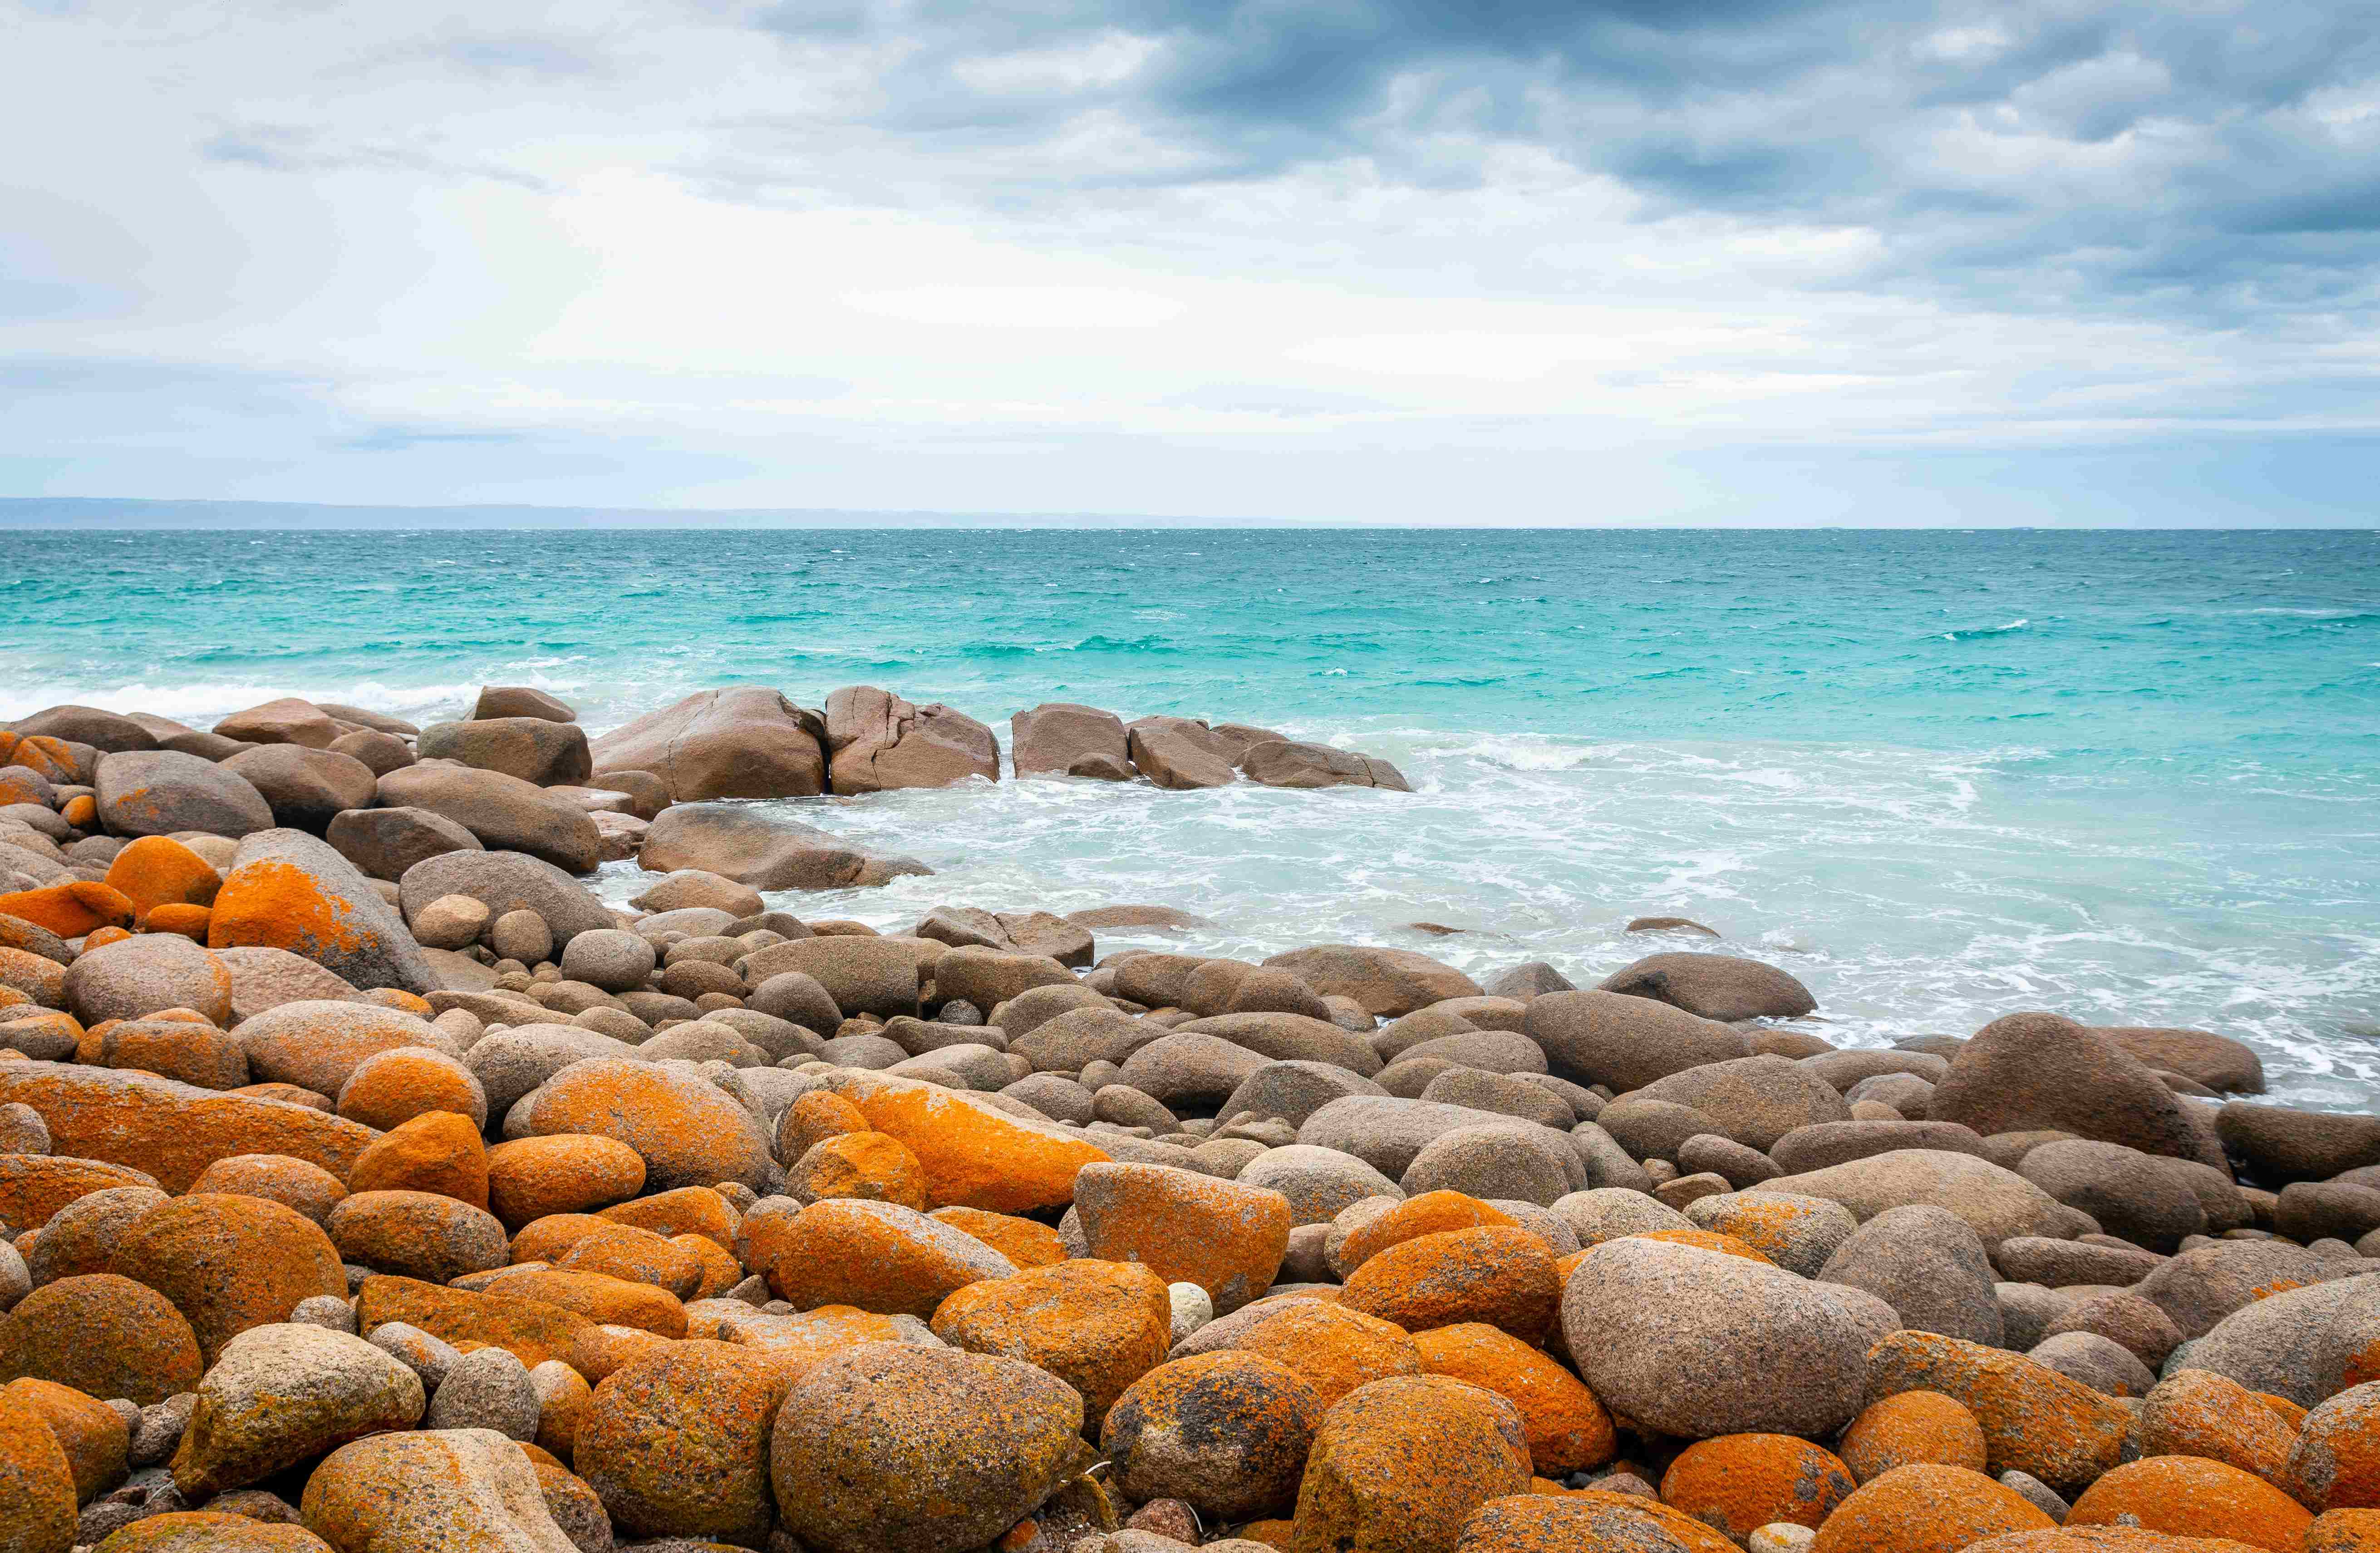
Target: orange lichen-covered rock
[(195, 1054), (1097, 1326), (104, 1335), (889, 1449), (293, 1183), (550, 1238), (93, 1434), (1226, 1433), (318, 1042), (974, 1156), (690, 1210), (2190, 1496), (1926, 1508), (721, 1271), (1741, 1483), (533, 1330), (1398, 1466), (38, 752), (2344, 1531), (399, 999), (2335, 1463), (35, 1186), (389, 1089), (37, 1485), (1504, 1277), (209, 1530), (183, 921), (229, 1263), (879, 1257), (154, 871), (598, 1297), (793, 1345), (449, 1489), (1909, 1428), (1226, 1237), (100, 937), (623, 1251), (1566, 1429), (1587, 1522), (568, 1173), (1022, 1241), (1709, 1240), (416, 1234), (2198, 1412), (1335, 1350), (874, 1166), (1431, 1212), (676, 1444), (436, 1152), (2034, 1419), (688, 1131), (81, 812), (814, 1117), (70, 909), (36, 978), (171, 1130), (563, 1396), (287, 890)]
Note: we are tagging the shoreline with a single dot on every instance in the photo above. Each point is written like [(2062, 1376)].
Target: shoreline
[(768, 1228)]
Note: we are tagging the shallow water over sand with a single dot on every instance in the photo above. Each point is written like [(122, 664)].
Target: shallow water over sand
[(1938, 777)]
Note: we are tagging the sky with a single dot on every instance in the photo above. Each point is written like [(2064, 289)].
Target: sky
[(1559, 261)]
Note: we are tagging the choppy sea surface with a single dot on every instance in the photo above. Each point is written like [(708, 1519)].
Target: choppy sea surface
[(2134, 777)]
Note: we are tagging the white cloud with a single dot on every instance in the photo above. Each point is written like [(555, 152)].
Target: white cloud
[(747, 267)]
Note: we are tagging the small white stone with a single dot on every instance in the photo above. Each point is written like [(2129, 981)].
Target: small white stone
[(1192, 1308)]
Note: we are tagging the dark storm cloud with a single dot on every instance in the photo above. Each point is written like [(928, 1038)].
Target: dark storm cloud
[(2127, 152)]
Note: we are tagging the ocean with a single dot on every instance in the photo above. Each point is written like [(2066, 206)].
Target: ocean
[(2133, 777)]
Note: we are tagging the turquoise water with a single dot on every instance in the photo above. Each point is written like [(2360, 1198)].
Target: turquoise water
[(1939, 777)]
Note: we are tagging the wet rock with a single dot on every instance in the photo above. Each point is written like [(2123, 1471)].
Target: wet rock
[(1287, 764), (767, 851), (1178, 752), (744, 741), (1061, 738), (876, 743)]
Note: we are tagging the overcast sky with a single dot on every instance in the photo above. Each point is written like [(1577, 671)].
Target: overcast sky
[(1411, 260)]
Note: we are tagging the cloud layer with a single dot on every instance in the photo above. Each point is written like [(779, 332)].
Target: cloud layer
[(1422, 261)]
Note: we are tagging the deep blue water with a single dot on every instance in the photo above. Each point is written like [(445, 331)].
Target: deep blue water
[(1939, 775)]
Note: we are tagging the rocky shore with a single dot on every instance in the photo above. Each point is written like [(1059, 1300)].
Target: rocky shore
[(369, 1183)]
